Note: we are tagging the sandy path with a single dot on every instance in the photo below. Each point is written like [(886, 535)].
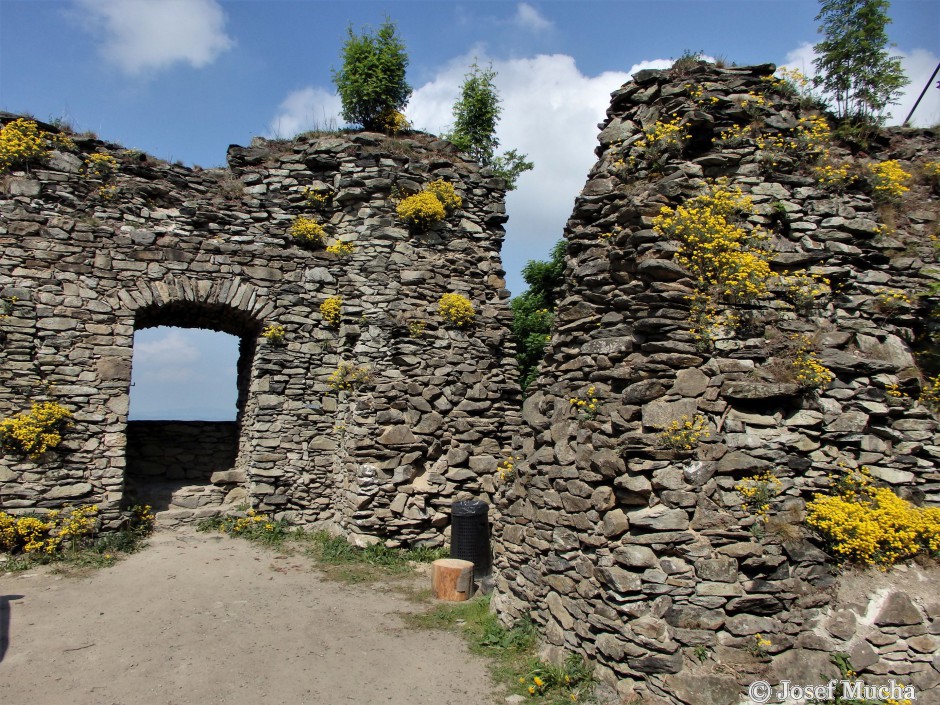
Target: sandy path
[(199, 619)]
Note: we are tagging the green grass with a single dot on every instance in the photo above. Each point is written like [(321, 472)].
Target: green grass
[(511, 652), (343, 561)]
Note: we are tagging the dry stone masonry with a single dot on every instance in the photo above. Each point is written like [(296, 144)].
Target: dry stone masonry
[(90, 257), (643, 558)]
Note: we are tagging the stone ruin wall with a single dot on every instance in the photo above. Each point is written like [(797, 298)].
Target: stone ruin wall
[(157, 244), (633, 556)]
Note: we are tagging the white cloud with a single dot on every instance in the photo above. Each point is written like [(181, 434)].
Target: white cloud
[(164, 347), (306, 109), (527, 17), (143, 35), (550, 112), (918, 65)]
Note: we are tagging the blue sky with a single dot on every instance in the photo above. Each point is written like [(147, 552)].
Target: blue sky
[(183, 79)]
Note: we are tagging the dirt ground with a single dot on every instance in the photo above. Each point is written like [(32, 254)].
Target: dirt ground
[(200, 619)]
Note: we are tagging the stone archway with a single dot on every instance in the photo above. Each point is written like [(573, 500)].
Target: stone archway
[(189, 470)]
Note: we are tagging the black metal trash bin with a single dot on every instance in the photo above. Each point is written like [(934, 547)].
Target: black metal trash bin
[(470, 535)]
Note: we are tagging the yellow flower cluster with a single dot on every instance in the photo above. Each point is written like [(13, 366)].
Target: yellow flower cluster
[(806, 142), (393, 121), (724, 259), (684, 433), (44, 535), (804, 290), (759, 646), (100, 166), (416, 328), (317, 199), (34, 432), (834, 176), (348, 376), (889, 180), (708, 322), (872, 525), (894, 391), (757, 492), (21, 142), (808, 371), (432, 205), (507, 468), (892, 300), (930, 394), (931, 171), (663, 136), (444, 192), (331, 310), (587, 403), (273, 333), (456, 309), (736, 135), (421, 210), (341, 249), (307, 231)]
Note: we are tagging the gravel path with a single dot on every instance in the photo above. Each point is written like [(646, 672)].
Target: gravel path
[(199, 619)]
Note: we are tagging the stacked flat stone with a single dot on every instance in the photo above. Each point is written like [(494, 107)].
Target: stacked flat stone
[(644, 559), (162, 244)]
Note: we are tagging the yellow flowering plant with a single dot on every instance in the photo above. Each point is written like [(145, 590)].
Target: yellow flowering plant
[(349, 377), (587, 403), (684, 433), (307, 231), (341, 249), (724, 259), (421, 210), (22, 142), (757, 492), (331, 311), (273, 333), (662, 138), (100, 166), (808, 371), (869, 525), (444, 192), (888, 180), (45, 535), (253, 525), (34, 432), (393, 121), (457, 310)]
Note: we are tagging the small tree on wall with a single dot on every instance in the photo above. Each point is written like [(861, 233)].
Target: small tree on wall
[(476, 114), (853, 64), (371, 84)]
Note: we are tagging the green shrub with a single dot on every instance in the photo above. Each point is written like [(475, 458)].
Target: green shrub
[(372, 83)]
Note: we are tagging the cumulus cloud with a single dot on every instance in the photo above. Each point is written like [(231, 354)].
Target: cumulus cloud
[(306, 109), (144, 35), (527, 17), (918, 65), (550, 111)]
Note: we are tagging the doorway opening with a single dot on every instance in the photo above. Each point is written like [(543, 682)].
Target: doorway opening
[(189, 385)]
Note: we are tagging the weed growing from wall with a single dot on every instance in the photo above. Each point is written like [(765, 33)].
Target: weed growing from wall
[(34, 432)]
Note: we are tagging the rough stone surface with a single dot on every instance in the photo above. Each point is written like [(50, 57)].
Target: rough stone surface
[(91, 261), (687, 542)]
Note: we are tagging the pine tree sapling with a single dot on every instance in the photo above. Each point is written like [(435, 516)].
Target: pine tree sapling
[(853, 64), (371, 84)]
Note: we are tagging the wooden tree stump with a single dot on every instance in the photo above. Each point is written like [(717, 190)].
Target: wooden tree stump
[(452, 579)]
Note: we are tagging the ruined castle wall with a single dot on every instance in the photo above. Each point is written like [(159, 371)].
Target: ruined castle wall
[(643, 558), (90, 259)]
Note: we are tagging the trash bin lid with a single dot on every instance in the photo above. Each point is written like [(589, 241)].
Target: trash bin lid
[(469, 508)]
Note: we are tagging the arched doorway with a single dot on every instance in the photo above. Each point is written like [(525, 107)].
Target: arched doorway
[(187, 466)]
